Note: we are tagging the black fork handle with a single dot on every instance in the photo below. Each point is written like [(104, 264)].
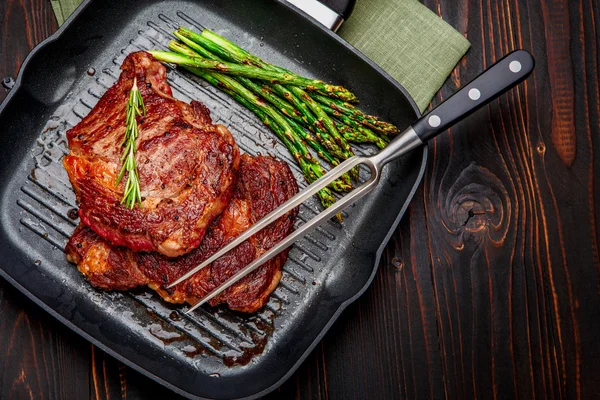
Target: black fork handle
[(497, 79)]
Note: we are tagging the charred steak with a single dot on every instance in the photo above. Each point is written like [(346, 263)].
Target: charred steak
[(263, 184), (187, 165)]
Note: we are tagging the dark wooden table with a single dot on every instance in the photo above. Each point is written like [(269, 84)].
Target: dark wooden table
[(490, 286)]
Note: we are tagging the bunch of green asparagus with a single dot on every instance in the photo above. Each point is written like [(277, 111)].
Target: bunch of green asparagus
[(302, 112)]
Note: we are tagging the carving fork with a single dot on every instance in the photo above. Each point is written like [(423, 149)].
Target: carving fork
[(499, 78)]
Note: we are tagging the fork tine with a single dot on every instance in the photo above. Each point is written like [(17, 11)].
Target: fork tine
[(290, 239), (278, 212)]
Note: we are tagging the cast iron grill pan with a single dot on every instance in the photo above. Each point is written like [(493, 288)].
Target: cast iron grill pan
[(215, 353)]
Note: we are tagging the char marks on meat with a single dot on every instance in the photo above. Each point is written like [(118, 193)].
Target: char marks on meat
[(187, 166), (263, 184)]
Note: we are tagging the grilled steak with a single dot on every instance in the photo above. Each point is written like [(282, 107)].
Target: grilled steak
[(263, 184), (187, 165)]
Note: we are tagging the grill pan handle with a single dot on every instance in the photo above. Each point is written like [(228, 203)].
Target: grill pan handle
[(343, 7), (331, 13)]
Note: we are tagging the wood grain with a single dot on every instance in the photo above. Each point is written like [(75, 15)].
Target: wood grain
[(24, 23), (39, 359), (490, 287), (515, 284), (556, 21)]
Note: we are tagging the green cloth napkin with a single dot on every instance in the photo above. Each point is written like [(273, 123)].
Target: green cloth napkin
[(64, 8), (406, 39)]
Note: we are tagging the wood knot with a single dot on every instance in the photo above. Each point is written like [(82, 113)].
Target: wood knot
[(541, 148), (473, 213), (476, 207), (397, 263)]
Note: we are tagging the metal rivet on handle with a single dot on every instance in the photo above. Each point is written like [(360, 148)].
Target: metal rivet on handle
[(514, 66), (434, 121), (474, 94)]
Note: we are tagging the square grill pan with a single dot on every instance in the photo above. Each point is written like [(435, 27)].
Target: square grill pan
[(214, 353)]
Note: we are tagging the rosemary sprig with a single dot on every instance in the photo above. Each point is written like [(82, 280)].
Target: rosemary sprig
[(135, 108)]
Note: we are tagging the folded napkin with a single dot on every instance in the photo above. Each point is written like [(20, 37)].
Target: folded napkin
[(406, 39), (64, 8)]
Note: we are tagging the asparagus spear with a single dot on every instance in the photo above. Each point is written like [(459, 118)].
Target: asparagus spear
[(282, 105), (321, 151), (324, 118), (329, 150), (356, 133), (186, 36), (226, 68), (334, 107), (301, 150), (329, 125), (345, 183), (315, 124), (202, 49), (267, 93), (207, 48), (298, 97), (248, 58), (229, 50), (295, 121), (361, 135), (251, 72), (193, 49), (310, 172), (357, 115), (311, 168), (238, 54)]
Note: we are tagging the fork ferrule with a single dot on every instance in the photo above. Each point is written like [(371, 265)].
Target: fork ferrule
[(402, 144)]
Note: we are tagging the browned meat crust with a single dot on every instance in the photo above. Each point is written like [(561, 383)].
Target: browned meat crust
[(187, 165), (263, 184)]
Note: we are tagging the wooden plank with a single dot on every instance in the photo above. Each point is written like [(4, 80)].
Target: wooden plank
[(23, 25), (511, 210), (39, 358)]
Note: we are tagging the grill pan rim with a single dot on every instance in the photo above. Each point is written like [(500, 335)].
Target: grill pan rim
[(132, 364)]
